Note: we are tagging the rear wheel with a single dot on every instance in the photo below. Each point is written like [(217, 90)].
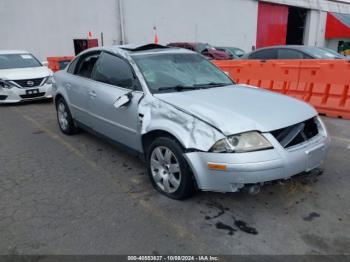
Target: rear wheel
[(64, 117), (168, 169)]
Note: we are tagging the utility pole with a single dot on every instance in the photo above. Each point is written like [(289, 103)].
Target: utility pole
[(121, 22)]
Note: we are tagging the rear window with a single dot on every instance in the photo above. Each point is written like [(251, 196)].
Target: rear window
[(10, 61)]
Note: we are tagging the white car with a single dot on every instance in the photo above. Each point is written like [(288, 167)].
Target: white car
[(23, 77)]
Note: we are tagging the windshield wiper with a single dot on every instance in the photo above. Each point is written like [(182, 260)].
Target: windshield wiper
[(194, 87), (177, 88), (211, 84)]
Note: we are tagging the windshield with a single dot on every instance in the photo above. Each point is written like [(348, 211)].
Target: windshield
[(178, 72), (236, 51), (323, 53), (333, 52), (10, 61)]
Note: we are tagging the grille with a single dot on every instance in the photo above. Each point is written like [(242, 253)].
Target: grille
[(29, 82), (33, 95), (296, 134)]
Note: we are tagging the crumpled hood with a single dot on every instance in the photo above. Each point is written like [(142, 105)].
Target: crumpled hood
[(25, 73), (236, 109)]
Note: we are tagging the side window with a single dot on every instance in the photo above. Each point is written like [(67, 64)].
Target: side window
[(306, 56), (72, 66), (86, 64), (264, 54), (289, 54), (113, 70)]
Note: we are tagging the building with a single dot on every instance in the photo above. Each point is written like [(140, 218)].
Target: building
[(61, 27), (315, 22), (48, 27)]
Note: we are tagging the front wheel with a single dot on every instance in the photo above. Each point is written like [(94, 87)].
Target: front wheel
[(168, 169)]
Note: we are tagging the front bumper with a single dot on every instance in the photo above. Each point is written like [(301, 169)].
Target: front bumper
[(257, 167), (16, 95)]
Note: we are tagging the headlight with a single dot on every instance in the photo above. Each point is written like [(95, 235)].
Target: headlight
[(50, 80), (245, 142), (321, 126), (5, 84)]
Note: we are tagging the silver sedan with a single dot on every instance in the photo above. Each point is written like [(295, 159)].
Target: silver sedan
[(191, 123)]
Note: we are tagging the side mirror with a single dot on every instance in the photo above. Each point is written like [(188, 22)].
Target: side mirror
[(45, 63), (123, 100)]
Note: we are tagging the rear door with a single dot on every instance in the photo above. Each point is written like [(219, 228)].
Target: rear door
[(78, 85), (114, 78)]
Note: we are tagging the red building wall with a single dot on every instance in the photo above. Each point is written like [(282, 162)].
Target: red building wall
[(272, 24)]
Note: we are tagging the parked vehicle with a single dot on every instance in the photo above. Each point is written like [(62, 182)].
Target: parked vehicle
[(293, 52), (193, 125), (235, 52), (56, 63), (23, 77), (204, 49)]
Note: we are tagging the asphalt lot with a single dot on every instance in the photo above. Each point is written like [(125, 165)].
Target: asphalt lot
[(82, 195)]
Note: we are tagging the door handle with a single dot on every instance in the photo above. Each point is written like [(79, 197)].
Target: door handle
[(92, 94)]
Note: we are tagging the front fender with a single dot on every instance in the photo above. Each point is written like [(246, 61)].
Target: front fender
[(191, 132)]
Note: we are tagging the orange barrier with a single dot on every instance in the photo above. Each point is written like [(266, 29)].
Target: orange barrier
[(326, 86), (57, 63), (323, 83)]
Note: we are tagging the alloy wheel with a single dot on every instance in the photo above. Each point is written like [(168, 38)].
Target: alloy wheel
[(165, 169), (62, 116)]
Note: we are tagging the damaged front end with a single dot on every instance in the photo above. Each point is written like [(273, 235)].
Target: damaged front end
[(232, 135), (189, 130), (231, 171)]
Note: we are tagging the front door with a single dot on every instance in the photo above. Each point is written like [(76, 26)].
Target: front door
[(114, 78)]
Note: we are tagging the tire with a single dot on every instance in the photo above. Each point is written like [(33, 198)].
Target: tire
[(64, 118), (168, 170)]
